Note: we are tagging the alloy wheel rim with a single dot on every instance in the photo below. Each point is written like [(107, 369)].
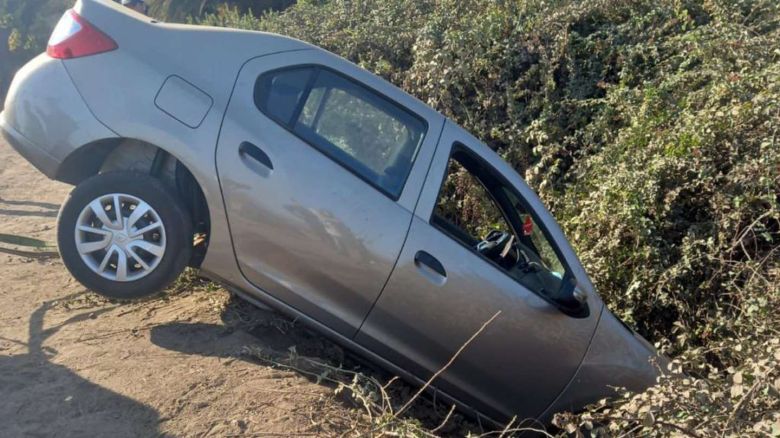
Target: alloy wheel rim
[(120, 237)]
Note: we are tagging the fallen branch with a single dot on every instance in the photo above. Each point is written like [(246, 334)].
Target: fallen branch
[(447, 365)]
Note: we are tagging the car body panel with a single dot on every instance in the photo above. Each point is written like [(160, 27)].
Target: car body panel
[(325, 242), (253, 294), (120, 88), (344, 235), (420, 322), (46, 113), (616, 358), (183, 101), (33, 153)]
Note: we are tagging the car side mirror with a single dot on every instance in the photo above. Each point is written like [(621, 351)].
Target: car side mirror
[(573, 301)]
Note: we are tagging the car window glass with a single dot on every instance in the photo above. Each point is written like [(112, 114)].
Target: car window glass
[(541, 245), (279, 93), (469, 210), (311, 107), (361, 130), (465, 203)]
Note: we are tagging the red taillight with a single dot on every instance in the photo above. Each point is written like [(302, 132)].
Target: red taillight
[(75, 37)]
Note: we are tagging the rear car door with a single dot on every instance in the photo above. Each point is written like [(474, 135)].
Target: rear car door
[(320, 171), (444, 289)]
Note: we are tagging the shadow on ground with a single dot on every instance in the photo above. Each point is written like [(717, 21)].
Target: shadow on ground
[(44, 205), (24, 213), (45, 209), (245, 325), (266, 338), (41, 398)]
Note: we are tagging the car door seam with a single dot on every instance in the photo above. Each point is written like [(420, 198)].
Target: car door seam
[(406, 236), (216, 151), (576, 371)]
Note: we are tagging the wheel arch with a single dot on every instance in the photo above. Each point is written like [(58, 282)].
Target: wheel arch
[(86, 160), (123, 153)]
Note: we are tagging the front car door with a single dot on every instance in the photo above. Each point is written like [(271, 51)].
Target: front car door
[(480, 243), (320, 171)]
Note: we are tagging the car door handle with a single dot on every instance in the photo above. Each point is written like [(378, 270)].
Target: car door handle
[(429, 261), (247, 148)]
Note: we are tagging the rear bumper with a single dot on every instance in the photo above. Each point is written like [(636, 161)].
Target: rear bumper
[(45, 118), (30, 151)]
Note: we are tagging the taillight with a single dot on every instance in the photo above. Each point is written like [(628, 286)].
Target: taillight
[(74, 37)]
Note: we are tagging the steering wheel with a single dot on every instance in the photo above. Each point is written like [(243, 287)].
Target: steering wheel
[(493, 244)]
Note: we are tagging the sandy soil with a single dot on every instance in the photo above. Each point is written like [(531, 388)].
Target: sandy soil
[(72, 364)]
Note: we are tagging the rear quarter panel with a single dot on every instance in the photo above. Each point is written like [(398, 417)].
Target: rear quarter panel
[(45, 108), (120, 88)]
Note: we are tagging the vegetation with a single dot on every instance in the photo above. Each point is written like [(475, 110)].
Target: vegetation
[(180, 10), (24, 29), (650, 129)]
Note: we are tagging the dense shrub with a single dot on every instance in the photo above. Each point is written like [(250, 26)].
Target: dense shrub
[(180, 10), (651, 131), (650, 128), (24, 29)]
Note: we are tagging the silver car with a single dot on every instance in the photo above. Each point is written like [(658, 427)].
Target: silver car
[(306, 183)]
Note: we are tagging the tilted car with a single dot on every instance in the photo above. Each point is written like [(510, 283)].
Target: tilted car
[(306, 183)]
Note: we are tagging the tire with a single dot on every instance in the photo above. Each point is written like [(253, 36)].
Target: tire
[(133, 263)]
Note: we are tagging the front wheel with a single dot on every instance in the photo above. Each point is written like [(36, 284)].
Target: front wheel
[(124, 235)]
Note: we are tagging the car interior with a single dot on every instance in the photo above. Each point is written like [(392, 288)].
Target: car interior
[(511, 241)]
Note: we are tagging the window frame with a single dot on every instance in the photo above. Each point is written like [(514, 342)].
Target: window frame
[(289, 126), (568, 282)]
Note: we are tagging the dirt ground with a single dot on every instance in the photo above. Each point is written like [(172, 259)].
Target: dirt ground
[(72, 364)]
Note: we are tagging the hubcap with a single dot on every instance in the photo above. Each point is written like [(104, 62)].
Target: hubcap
[(120, 237)]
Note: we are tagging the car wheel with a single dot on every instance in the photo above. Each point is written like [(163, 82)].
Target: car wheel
[(124, 235)]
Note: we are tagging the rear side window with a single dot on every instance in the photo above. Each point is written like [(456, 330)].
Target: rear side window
[(368, 134)]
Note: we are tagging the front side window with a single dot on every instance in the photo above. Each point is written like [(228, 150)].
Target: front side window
[(366, 133), (479, 210), (465, 208), (541, 245)]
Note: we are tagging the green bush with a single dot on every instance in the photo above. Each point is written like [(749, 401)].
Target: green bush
[(181, 10), (651, 131), (24, 29)]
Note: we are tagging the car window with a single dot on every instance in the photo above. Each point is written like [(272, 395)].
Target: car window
[(278, 94), (361, 130), (541, 245), (477, 208), (464, 203)]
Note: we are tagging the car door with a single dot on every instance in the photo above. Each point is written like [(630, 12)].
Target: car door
[(443, 290), (320, 171)]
